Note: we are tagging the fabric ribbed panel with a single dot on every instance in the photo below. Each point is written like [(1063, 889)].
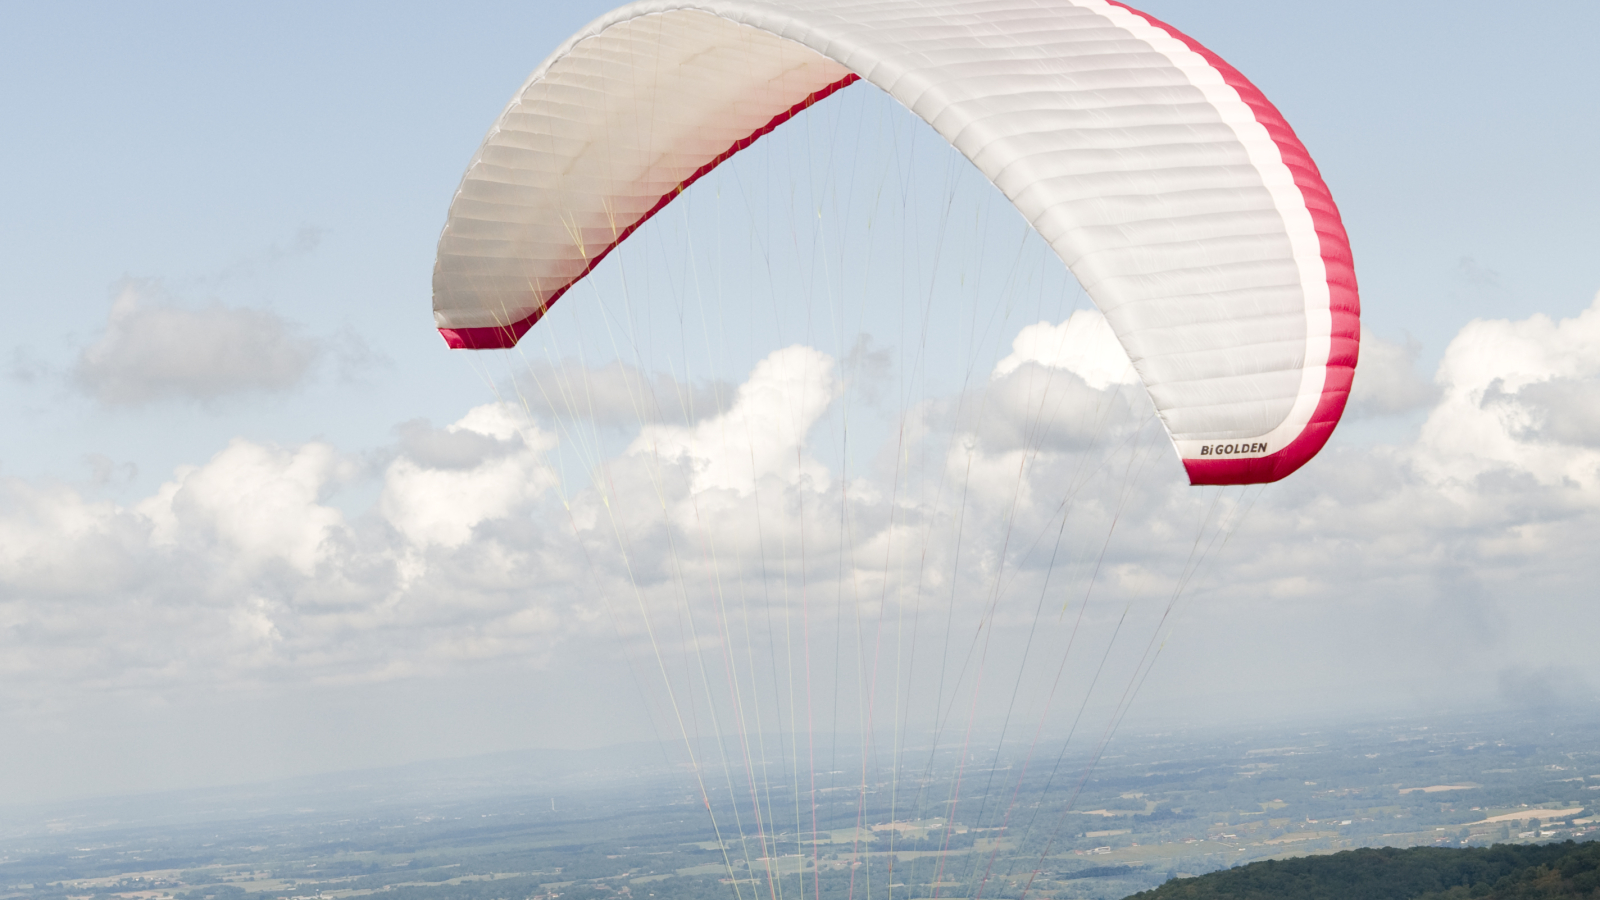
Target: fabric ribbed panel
[(1176, 194)]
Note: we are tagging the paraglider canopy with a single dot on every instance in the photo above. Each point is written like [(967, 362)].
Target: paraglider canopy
[(1168, 184)]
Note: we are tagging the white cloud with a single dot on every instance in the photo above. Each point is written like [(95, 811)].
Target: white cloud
[(239, 571), (1564, 410), (1387, 381), (484, 467), (1036, 407), (1084, 345), (154, 351), (761, 432), (55, 542), (260, 502), (1498, 378), (737, 530)]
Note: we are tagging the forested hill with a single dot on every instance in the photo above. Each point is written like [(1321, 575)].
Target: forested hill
[(1502, 872)]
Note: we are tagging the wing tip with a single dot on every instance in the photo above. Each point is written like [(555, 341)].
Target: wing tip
[(494, 337), (1270, 468)]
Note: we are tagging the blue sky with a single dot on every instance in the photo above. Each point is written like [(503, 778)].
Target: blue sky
[(287, 170)]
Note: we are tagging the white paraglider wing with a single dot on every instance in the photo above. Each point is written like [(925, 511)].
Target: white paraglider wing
[(1176, 194)]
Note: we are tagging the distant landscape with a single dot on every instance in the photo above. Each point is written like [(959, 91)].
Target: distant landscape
[(629, 821)]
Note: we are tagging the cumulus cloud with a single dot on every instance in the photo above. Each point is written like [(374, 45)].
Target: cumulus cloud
[(498, 537), (1498, 378), (260, 503), (240, 570), (1387, 381), (1084, 345), (762, 431), (447, 481), (1563, 410), (1064, 388), (154, 351), (244, 570), (1034, 407)]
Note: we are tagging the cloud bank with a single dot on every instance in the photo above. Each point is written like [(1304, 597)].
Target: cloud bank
[(502, 538)]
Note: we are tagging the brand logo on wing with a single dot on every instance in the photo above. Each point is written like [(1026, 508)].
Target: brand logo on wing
[(1232, 449)]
